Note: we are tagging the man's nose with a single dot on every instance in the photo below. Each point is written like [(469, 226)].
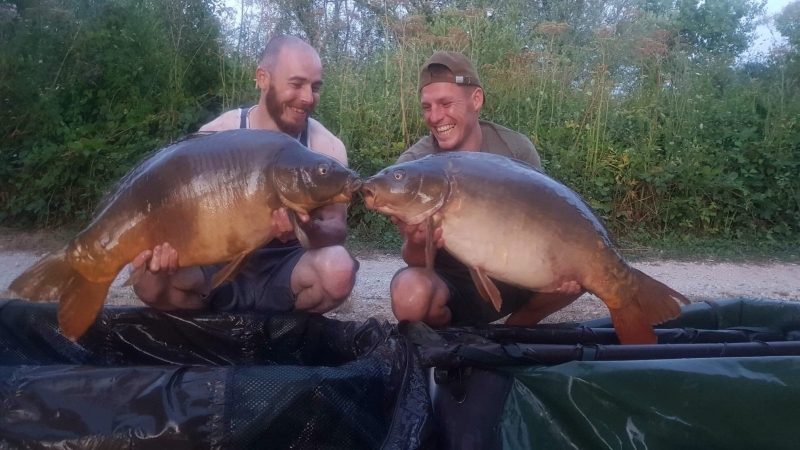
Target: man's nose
[(435, 113), (306, 96)]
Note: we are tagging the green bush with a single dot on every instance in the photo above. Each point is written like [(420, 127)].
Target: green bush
[(654, 124)]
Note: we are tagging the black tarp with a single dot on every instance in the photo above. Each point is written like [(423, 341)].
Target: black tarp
[(141, 378), (724, 375)]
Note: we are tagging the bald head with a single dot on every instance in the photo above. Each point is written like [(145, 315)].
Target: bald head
[(276, 45), (290, 77)]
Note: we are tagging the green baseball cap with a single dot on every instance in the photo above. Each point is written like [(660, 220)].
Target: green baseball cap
[(464, 72)]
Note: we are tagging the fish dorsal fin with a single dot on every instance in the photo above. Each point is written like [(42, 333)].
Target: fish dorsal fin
[(600, 226), (139, 167)]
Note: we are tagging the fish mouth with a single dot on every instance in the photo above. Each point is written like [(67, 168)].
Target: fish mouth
[(354, 185), (367, 189), (350, 188), (369, 194)]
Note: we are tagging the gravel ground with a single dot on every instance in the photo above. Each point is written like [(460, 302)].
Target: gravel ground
[(698, 281)]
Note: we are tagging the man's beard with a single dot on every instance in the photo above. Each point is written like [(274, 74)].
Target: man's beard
[(275, 110)]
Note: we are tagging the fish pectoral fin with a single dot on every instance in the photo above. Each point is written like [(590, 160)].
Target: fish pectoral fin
[(479, 285), (299, 232), (486, 287), (232, 269), (430, 245), (134, 276)]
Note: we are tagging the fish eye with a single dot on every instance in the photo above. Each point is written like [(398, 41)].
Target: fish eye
[(323, 169), (399, 174)]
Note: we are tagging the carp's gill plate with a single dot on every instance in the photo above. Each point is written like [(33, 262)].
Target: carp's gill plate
[(210, 195), (508, 221)]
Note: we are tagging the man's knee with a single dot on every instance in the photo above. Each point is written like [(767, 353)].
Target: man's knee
[(336, 271), (414, 291)]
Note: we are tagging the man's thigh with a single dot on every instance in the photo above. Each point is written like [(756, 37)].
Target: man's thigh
[(468, 307), (465, 303), (324, 274), (265, 282)]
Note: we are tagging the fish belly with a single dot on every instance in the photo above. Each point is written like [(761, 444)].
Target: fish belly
[(508, 247)]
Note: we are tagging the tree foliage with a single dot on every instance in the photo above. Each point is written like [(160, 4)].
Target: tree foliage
[(639, 105)]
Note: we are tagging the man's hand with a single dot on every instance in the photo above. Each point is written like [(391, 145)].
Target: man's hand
[(163, 260), (325, 226), (570, 287), (164, 284), (283, 226), (413, 251), (416, 234)]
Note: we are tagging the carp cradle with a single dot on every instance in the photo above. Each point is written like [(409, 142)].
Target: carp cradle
[(725, 374)]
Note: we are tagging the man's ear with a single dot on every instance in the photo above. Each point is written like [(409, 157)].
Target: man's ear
[(477, 99), (262, 78)]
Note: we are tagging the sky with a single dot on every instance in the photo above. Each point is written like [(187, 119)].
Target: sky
[(767, 36)]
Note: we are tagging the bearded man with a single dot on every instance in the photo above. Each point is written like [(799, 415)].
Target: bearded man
[(282, 275)]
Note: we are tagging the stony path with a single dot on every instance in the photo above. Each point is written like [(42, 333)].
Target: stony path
[(697, 280)]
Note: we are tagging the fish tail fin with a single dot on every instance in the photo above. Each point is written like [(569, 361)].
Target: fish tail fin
[(53, 278), (79, 306), (632, 326), (658, 301), (651, 303), (46, 279)]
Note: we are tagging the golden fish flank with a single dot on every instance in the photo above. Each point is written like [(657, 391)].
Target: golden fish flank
[(210, 195), (509, 222)]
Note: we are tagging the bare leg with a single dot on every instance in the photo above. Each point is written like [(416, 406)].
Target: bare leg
[(419, 295), (540, 305), (323, 278)]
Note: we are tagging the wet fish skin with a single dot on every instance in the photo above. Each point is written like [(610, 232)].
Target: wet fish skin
[(210, 195), (508, 221)]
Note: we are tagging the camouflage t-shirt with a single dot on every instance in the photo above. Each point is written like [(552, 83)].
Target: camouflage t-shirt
[(496, 139)]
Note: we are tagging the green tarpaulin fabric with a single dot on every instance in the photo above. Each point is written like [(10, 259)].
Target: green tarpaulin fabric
[(712, 403), (717, 403)]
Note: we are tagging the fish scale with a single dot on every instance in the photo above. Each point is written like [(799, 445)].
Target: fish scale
[(210, 196), (552, 236)]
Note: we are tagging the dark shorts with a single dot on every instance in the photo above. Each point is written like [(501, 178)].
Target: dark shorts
[(264, 285), (466, 304)]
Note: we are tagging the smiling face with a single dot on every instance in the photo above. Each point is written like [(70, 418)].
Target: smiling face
[(451, 113), (291, 89)]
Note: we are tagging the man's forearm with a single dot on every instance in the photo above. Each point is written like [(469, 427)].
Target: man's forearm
[(413, 255), (329, 228), (326, 233), (161, 292)]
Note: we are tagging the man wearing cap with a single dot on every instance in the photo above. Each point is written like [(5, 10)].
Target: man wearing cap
[(452, 97)]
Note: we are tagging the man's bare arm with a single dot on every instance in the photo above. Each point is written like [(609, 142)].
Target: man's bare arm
[(328, 226), (227, 121), (414, 236), (166, 286)]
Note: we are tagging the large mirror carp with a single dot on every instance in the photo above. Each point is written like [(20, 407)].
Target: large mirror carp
[(507, 221), (210, 195)]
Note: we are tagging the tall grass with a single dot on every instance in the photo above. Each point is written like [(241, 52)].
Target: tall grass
[(658, 142), (659, 137)]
